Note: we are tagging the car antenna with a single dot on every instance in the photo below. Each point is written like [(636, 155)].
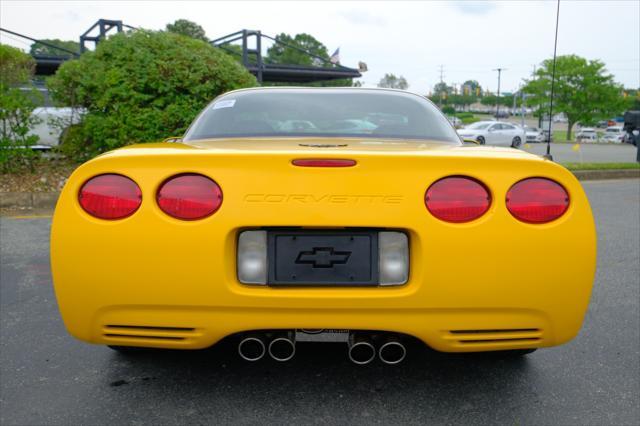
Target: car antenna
[(548, 155)]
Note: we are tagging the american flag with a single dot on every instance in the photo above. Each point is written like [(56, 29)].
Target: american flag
[(335, 58)]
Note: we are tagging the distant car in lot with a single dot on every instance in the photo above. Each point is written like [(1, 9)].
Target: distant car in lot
[(614, 134), (52, 123), (587, 134), (534, 135), (494, 133), (502, 114)]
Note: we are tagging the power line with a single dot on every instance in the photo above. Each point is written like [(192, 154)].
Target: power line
[(44, 43)]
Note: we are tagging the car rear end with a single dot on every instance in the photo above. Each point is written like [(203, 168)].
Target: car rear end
[(421, 239)]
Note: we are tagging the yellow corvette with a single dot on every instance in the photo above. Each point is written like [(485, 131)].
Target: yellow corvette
[(284, 213)]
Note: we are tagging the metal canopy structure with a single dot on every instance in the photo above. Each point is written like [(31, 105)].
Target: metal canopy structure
[(252, 58)]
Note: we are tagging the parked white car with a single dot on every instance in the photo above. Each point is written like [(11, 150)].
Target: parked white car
[(534, 135), (52, 122), (494, 133), (614, 134), (587, 134)]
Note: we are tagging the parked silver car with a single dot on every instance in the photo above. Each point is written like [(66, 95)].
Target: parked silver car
[(534, 135), (614, 134)]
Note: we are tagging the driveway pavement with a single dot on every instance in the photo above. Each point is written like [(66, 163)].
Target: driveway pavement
[(47, 377)]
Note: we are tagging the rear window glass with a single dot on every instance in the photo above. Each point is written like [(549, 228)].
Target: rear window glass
[(322, 113)]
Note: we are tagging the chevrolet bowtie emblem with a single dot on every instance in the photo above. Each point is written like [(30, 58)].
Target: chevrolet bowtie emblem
[(323, 257)]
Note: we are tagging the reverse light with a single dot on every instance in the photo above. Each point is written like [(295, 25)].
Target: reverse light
[(252, 257), (393, 258), (110, 196), (457, 199), (537, 200), (189, 196)]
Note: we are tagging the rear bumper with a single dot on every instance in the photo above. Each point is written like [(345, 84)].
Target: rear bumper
[(448, 330), (151, 280)]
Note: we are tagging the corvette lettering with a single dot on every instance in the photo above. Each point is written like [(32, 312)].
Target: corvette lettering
[(323, 199)]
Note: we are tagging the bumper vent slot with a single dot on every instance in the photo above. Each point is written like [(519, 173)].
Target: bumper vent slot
[(147, 333), (507, 336)]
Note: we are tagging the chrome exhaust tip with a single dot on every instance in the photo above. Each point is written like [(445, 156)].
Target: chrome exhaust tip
[(392, 352), (361, 350), (251, 348), (283, 348)]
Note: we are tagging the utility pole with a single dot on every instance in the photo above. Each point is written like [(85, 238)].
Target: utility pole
[(441, 81), (498, 97)]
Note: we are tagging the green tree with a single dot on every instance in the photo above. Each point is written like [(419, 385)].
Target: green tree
[(631, 99), (38, 48), (187, 28), (16, 105), (142, 86), (392, 82), (471, 88), (287, 50), (584, 91), (280, 53)]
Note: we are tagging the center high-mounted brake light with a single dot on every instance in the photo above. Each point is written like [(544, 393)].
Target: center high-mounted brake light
[(323, 162)]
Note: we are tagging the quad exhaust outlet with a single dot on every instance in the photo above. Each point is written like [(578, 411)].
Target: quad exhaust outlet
[(362, 347)]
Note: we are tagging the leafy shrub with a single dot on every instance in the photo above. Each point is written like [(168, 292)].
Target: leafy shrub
[(449, 110), (16, 105), (141, 86)]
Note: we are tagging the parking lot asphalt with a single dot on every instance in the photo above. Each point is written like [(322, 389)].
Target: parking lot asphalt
[(587, 153), (47, 377)]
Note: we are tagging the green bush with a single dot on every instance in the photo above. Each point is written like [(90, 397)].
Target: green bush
[(17, 97), (463, 115), (141, 86)]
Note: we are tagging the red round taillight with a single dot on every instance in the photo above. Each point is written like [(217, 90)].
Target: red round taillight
[(537, 200), (189, 197), (457, 199), (110, 196)]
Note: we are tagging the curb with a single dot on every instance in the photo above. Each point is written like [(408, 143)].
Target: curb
[(28, 200), (606, 174), (47, 200)]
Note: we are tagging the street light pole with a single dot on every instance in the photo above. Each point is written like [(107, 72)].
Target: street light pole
[(498, 97)]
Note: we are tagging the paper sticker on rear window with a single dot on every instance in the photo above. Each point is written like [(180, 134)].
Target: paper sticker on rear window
[(224, 104)]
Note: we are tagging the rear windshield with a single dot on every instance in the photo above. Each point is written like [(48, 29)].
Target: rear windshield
[(323, 113)]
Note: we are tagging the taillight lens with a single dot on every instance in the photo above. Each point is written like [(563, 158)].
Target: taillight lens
[(537, 200), (457, 199), (189, 197), (110, 196)]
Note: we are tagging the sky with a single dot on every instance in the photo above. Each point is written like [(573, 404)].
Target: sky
[(415, 39)]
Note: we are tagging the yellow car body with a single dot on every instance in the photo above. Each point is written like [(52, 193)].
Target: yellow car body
[(151, 280)]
